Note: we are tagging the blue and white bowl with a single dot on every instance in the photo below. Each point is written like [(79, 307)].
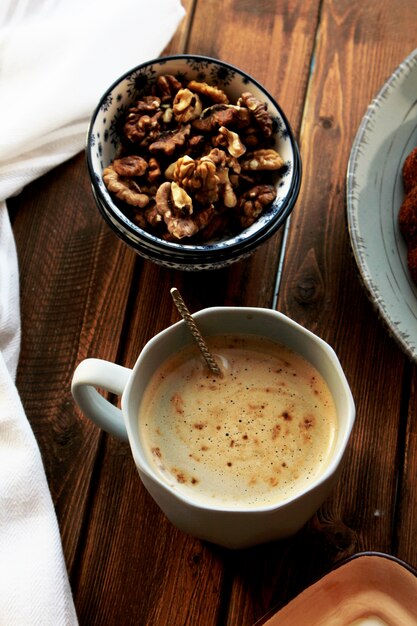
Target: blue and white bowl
[(104, 142)]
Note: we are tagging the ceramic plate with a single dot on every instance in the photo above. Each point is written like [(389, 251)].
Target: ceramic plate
[(371, 589), (387, 134)]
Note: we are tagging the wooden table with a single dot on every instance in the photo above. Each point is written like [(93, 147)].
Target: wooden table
[(84, 293)]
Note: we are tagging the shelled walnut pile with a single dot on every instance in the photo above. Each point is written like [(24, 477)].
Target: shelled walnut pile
[(407, 217), (192, 164)]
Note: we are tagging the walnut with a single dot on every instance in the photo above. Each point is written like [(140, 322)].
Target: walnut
[(139, 219), (234, 165), (168, 115), (217, 156), (169, 141), (226, 188), (172, 200), (142, 128), (196, 144), (175, 207), (222, 163), (206, 174), (263, 159), (260, 112), (152, 216), (215, 116), (124, 188), (186, 106), (148, 104), (182, 201), (169, 172), (188, 227), (199, 176), (182, 171), (221, 159), (252, 203), (167, 87), (252, 137), (213, 93), (241, 116), (207, 179), (163, 200), (215, 225), (130, 166), (231, 141), (154, 170)]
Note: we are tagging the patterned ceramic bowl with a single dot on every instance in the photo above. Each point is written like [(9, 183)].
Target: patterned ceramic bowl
[(104, 144)]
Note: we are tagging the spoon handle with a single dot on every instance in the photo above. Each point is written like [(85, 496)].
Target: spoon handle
[(191, 325)]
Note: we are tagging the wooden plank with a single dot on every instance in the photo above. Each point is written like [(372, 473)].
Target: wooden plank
[(178, 42), (406, 518)]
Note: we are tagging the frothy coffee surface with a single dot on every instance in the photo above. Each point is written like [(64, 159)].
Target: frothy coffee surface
[(253, 437)]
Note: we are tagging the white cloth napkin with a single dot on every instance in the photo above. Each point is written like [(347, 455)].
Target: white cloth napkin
[(56, 59)]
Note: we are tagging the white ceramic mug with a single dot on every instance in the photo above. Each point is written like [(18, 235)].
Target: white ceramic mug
[(230, 528)]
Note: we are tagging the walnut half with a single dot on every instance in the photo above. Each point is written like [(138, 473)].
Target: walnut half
[(253, 202), (124, 188), (263, 159), (175, 207), (186, 106)]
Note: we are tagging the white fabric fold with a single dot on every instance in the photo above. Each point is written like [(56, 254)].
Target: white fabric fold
[(56, 59)]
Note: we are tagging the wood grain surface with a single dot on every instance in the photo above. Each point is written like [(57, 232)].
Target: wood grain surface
[(84, 293)]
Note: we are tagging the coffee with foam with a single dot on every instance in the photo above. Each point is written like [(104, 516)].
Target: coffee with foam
[(256, 436)]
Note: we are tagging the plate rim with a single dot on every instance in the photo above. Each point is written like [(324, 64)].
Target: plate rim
[(392, 326)]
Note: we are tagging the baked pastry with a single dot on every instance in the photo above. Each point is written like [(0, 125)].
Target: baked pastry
[(409, 171), (407, 217)]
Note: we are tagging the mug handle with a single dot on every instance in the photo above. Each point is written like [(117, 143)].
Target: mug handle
[(92, 373)]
